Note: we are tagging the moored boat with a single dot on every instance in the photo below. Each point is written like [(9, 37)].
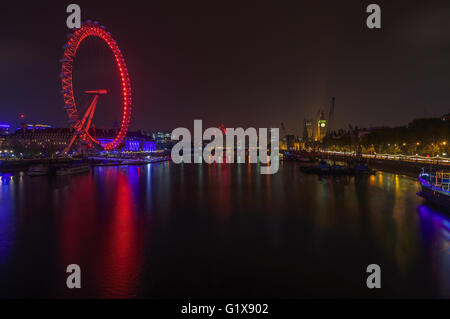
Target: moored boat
[(361, 168), (75, 169), (436, 187), (323, 166), (38, 170)]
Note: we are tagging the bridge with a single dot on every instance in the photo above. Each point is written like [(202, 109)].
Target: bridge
[(410, 165)]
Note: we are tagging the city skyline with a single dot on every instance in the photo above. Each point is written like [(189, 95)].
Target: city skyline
[(244, 66)]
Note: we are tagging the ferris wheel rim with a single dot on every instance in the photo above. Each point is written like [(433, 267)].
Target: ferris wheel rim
[(70, 50)]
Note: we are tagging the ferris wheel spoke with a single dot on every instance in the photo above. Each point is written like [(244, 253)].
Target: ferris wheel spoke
[(91, 111)]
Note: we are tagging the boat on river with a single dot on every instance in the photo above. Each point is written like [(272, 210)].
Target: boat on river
[(435, 187), (38, 170), (74, 169)]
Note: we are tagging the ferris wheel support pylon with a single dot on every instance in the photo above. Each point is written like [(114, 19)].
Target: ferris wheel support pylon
[(88, 115)]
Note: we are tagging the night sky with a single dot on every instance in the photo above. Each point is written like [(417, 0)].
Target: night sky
[(241, 63)]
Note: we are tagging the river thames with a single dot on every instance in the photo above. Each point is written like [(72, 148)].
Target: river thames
[(222, 230)]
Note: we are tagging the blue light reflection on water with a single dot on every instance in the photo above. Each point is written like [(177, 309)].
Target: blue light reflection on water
[(7, 212), (435, 228)]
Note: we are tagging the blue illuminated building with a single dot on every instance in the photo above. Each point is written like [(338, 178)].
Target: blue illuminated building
[(134, 142), (34, 127), (4, 132), (133, 145), (4, 129)]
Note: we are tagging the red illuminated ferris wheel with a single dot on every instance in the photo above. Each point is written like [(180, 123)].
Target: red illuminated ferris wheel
[(81, 123)]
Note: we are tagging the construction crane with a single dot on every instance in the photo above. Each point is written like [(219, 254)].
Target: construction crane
[(331, 115)]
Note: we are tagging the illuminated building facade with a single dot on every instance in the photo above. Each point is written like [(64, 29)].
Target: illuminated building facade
[(133, 142), (162, 137), (446, 117), (34, 127), (49, 140), (45, 139), (4, 131)]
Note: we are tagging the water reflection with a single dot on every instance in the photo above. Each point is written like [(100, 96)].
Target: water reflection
[(166, 230), (121, 250), (100, 232), (7, 214), (435, 229)]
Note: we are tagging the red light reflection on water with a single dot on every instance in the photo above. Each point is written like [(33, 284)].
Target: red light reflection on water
[(103, 235), (78, 221), (225, 190), (122, 249)]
